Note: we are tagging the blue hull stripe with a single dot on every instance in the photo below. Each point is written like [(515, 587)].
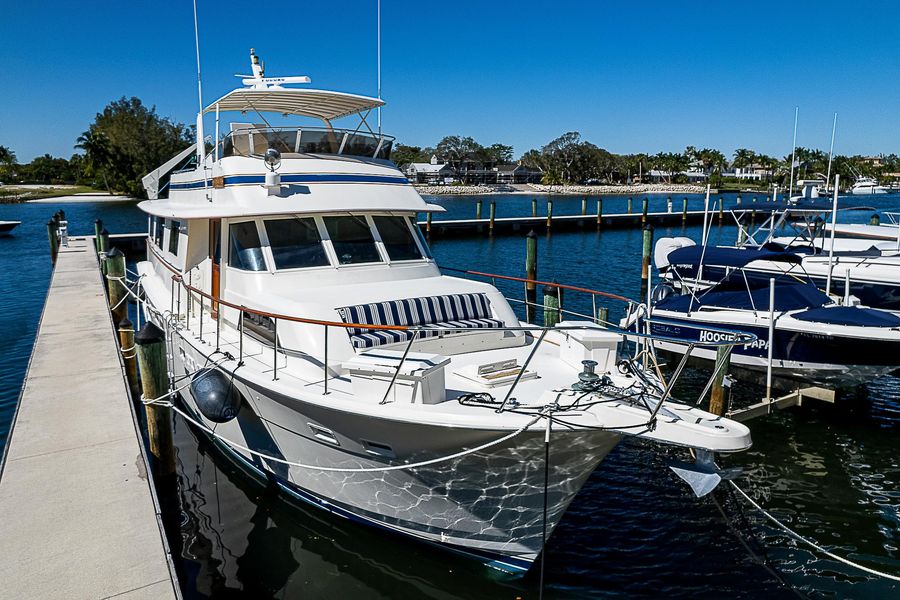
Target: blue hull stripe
[(299, 178), (500, 562)]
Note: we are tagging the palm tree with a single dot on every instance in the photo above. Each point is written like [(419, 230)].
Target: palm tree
[(743, 157), (96, 153)]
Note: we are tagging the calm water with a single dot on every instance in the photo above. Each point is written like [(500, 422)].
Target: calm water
[(831, 472)]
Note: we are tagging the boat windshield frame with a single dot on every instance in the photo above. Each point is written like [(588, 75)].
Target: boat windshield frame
[(296, 141)]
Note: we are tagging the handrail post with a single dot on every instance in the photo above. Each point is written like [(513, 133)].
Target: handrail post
[(201, 318), (218, 326), (275, 352), (241, 336), (326, 361), (387, 392)]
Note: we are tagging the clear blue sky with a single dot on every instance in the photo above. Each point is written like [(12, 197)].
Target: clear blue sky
[(630, 76)]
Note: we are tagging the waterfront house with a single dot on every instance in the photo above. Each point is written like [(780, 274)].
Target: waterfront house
[(430, 173), (518, 174)]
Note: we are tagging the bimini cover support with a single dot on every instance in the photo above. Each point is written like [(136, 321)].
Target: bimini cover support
[(151, 179)]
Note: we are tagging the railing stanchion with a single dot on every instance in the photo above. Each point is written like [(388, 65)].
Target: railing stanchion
[(524, 367), (218, 326), (326, 360), (241, 336), (201, 318), (275, 352), (387, 392)]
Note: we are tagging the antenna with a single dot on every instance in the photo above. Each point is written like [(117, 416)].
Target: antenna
[(201, 144), (379, 63), (793, 153), (831, 152)]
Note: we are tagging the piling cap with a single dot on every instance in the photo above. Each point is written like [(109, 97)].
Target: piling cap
[(531, 234), (125, 324), (114, 253), (149, 334), (551, 291)]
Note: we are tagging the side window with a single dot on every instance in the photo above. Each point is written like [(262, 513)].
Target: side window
[(244, 250), (352, 240), (422, 241), (296, 243), (158, 232), (398, 238), (174, 229)]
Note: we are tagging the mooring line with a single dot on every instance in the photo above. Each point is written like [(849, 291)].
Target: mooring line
[(810, 542)]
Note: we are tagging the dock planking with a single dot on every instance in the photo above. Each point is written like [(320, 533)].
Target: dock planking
[(80, 518)]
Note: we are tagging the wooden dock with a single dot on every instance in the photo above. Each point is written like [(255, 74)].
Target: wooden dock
[(522, 225), (80, 517)]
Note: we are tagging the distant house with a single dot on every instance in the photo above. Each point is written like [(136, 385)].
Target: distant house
[(429, 173), (753, 171), (507, 174), (657, 176)]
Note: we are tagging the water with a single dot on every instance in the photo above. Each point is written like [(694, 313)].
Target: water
[(635, 530)]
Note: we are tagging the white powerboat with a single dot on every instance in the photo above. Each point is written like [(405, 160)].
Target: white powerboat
[(312, 333), (8, 226), (867, 186)]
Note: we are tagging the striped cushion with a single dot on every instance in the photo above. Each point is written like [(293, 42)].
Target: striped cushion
[(463, 311)]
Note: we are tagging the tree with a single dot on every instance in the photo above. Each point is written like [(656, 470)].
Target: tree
[(128, 140), (7, 161), (743, 158), (403, 154), (500, 153), (457, 150)]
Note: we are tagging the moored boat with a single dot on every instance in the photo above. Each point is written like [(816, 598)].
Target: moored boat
[(325, 350)]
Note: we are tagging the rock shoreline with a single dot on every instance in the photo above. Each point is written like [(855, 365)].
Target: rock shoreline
[(581, 190)]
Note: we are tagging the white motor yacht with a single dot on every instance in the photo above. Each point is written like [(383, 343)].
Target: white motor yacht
[(312, 334), (867, 186)]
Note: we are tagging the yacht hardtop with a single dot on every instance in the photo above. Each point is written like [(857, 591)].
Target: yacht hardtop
[(326, 351)]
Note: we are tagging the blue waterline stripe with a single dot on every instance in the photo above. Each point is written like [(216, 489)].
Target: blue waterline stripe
[(261, 179)]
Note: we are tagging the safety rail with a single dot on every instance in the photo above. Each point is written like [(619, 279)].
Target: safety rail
[(255, 141), (731, 338)]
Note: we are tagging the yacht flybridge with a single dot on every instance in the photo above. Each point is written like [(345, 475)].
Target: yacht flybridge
[(312, 334)]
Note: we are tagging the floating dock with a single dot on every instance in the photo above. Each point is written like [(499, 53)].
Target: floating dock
[(80, 518), (522, 225)]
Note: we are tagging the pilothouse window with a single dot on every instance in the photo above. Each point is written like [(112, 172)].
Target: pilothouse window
[(296, 243), (174, 229), (244, 249), (397, 237), (352, 240)]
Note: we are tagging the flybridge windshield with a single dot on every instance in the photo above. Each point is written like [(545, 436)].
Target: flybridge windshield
[(251, 140)]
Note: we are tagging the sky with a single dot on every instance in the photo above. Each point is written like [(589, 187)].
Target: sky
[(629, 76)]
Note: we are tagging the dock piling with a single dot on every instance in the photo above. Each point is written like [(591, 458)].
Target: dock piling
[(98, 228), (531, 276), (584, 206), (129, 355), (721, 210), (669, 204), (684, 211), (428, 225), (478, 209), (52, 228), (150, 343), (534, 207), (599, 212), (115, 280), (549, 214), (104, 248), (644, 211), (552, 306), (646, 245), (718, 404), (602, 316), (630, 204), (493, 214)]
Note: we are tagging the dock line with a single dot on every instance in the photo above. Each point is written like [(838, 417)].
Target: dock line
[(810, 542)]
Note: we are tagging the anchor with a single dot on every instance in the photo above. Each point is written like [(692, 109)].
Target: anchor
[(703, 475)]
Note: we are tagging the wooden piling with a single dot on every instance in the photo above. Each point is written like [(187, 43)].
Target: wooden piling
[(98, 227), (428, 224), (478, 209), (531, 276), (493, 214), (717, 400), (630, 203), (150, 343), (875, 220), (646, 245), (644, 211), (669, 204), (534, 207), (115, 281), (584, 206), (549, 214), (53, 238), (104, 249), (602, 316), (684, 211), (552, 305), (129, 355), (599, 212)]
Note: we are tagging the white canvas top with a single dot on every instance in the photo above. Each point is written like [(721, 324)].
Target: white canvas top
[(320, 104)]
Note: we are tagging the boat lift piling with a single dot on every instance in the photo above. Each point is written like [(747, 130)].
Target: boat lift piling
[(718, 403)]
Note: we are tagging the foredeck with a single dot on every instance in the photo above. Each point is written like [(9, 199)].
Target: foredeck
[(78, 515)]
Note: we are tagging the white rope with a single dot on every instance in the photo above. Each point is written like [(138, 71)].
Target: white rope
[(809, 542)]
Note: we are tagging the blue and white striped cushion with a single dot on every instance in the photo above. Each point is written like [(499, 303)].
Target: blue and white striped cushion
[(465, 311)]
